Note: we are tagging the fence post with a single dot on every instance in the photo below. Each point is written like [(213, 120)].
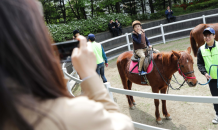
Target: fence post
[(127, 40), (204, 21), (162, 32), (108, 85)]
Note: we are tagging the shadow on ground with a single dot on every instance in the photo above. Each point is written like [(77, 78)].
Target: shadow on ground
[(140, 116)]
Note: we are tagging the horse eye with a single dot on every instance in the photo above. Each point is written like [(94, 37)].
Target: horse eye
[(182, 65)]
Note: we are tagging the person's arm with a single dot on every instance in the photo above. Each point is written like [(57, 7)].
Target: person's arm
[(171, 12), (120, 25), (136, 38), (104, 55), (200, 63)]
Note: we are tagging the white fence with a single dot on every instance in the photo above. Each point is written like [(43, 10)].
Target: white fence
[(200, 99), (161, 26)]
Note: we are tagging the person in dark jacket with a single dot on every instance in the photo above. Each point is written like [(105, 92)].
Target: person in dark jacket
[(119, 26), (206, 56), (113, 28), (169, 15)]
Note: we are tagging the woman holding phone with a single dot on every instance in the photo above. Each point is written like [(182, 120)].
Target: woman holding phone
[(33, 92)]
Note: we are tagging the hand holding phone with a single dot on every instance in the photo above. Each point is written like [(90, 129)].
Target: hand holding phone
[(83, 59), (65, 49)]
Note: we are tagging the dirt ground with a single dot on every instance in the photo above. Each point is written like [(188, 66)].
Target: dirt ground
[(185, 115)]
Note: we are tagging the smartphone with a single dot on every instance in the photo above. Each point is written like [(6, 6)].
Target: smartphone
[(65, 49)]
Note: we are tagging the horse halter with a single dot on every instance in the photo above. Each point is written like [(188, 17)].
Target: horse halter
[(184, 74)]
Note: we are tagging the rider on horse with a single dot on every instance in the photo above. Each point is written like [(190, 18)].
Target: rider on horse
[(141, 45)]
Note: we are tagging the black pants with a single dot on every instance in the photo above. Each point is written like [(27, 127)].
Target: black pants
[(172, 17), (120, 29), (214, 92), (115, 31)]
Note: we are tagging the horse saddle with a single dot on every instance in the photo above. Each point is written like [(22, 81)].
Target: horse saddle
[(147, 65)]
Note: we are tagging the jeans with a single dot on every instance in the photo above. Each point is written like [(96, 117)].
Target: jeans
[(214, 92), (100, 71)]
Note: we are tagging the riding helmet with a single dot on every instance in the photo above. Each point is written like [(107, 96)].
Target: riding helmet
[(136, 22)]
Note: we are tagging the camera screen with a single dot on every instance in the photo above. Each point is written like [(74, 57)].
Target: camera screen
[(65, 49)]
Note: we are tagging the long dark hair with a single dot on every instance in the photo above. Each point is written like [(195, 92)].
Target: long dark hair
[(27, 58)]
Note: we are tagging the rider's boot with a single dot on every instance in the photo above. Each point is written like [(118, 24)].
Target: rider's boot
[(142, 73)]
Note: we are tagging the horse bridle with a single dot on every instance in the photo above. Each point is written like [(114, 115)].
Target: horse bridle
[(184, 74), (180, 72)]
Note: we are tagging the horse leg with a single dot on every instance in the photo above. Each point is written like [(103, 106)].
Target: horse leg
[(131, 97), (125, 86), (164, 107), (124, 80), (156, 103)]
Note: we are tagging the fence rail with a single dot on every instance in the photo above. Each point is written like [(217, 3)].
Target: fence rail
[(200, 99)]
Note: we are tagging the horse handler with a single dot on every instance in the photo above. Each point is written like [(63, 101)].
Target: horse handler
[(206, 56), (100, 56)]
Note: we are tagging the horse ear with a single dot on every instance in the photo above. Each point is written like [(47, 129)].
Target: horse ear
[(177, 54), (188, 50)]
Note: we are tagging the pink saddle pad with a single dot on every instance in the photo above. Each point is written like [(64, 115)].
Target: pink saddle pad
[(135, 70)]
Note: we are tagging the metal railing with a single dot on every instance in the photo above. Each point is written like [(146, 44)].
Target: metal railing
[(200, 99)]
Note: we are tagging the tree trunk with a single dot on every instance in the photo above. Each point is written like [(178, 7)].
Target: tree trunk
[(151, 6), (108, 9), (118, 7), (170, 3), (82, 9), (73, 10), (144, 1), (112, 8), (92, 7), (46, 18), (134, 5), (77, 10), (131, 8), (64, 12), (164, 4), (142, 5)]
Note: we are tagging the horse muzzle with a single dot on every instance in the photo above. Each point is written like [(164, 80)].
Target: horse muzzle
[(192, 84)]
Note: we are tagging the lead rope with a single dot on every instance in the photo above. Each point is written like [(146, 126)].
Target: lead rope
[(169, 85)]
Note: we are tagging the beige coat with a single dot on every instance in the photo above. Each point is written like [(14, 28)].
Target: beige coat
[(94, 111)]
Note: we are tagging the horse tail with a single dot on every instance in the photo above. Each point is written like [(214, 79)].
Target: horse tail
[(193, 44)]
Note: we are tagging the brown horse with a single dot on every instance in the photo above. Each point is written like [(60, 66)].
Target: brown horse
[(196, 36), (167, 63)]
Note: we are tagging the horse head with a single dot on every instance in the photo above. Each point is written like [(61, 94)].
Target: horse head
[(185, 66)]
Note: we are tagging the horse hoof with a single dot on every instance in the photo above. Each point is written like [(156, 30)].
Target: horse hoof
[(169, 118), (132, 107), (160, 122), (134, 103)]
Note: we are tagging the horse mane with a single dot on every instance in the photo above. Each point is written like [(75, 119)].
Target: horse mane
[(166, 57)]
